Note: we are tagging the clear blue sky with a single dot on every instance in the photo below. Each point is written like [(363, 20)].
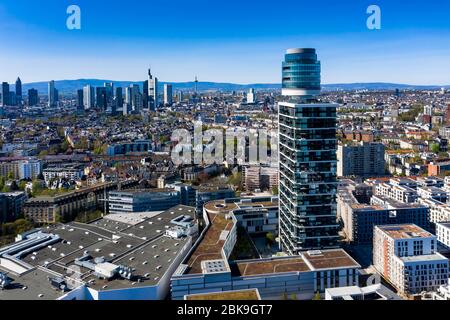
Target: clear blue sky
[(241, 41)]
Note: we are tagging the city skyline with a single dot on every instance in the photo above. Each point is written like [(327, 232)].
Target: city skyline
[(233, 43)]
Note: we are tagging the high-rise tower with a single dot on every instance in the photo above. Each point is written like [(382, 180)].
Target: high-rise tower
[(52, 94), (152, 91), (19, 91), (307, 146), (5, 94)]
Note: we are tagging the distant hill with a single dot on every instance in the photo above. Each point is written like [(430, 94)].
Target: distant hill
[(71, 86)]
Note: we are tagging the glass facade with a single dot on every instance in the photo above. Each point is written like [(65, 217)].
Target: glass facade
[(307, 146), (301, 72)]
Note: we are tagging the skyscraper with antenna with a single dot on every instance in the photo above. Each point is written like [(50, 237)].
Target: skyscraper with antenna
[(152, 91), (196, 84)]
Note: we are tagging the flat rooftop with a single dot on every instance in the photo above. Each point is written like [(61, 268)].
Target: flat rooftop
[(444, 224), (211, 245), (259, 267), (33, 285), (306, 262), (140, 245), (405, 231), (424, 258), (228, 205), (251, 294)]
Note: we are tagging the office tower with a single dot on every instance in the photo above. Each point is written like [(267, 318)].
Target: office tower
[(152, 91), (119, 96), (88, 97), (307, 146), (80, 103), (52, 94), (109, 89), (251, 96), (101, 98), (361, 159), (136, 98), (145, 94), (180, 96), (18, 91), (168, 94), (109, 86), (33, 97), (128, 95), (5, 93), (12, 98)]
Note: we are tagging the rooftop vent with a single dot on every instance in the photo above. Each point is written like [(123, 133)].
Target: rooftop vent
[(315, 253)]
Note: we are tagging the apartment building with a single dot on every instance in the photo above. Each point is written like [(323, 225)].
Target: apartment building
[(443, 233), (406, 256), (260, 178), (439, 212), (432, 193), (143, 200), (397, 192), (359, 219), (69, 172), (361, 159)]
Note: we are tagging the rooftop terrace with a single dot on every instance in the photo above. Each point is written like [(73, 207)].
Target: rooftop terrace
[(405, 231)]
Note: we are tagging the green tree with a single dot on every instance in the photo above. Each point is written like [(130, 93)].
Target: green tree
[(2, 182), (317, 296), (434, 147), (236, 179), (275, 190), (22, 185), (270, 238), (10, 175), (36, 188)]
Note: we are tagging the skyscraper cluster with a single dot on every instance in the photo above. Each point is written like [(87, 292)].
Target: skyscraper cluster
[(11, 98)]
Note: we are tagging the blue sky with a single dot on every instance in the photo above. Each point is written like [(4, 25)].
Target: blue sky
[(241, 41)]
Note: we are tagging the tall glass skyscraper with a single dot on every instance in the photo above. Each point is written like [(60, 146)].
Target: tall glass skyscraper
[(19, 91), (152, 91), (307, 146)]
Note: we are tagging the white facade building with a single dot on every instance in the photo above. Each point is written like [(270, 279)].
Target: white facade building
[(397, 192), (407, 257), (88, 97), (30, 169), (168, 94), (443, 233)]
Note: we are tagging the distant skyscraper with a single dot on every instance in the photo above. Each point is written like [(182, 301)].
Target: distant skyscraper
[(307, 146), (128, 95), (33, 97), (180, 96), (80, 102), (5, 93), (168, 94), (153, 91), (52, 94), (18, 91), (118, 99), (12, 98), (109, 87), (88, 97), (136, 98), (101, 98), (251, 96), (145, 100)]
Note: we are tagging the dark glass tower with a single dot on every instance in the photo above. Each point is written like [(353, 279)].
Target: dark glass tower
[(19, 91), (307, 145)]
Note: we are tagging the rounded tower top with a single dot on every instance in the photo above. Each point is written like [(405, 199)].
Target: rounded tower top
[(301, 73)]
